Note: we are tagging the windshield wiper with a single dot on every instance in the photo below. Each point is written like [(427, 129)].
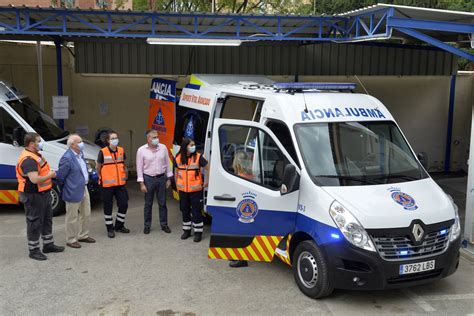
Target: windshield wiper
[(394, 176), (350, 178)]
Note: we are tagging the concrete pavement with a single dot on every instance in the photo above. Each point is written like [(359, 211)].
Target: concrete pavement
[(159, 274)]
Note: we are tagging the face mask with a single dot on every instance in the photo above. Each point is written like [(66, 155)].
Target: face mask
[(155, 141), (114, 142), (40, 146), (192, 149), (81, 146)]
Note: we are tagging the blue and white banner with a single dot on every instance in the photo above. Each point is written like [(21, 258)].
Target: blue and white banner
[(163, 89)]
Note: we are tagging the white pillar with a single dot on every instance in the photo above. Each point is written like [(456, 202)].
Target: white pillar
[(469, 218)]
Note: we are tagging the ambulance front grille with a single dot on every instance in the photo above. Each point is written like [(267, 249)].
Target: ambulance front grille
[(400, 248)]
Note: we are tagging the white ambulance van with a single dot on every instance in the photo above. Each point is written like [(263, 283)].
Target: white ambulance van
[(323, 179), (19, 115)]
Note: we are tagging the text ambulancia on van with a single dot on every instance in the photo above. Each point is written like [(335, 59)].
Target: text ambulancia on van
[(18, 116), (322, 179)]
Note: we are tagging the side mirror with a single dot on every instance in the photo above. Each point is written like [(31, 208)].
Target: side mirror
[(291, 180), (423, 158), (18, 136)]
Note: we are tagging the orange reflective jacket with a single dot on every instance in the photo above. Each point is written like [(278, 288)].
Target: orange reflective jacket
[(188, 176), (113, 171), (43, 170)]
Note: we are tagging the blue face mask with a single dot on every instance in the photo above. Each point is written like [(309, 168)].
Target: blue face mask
[(81, 146), (114, 142), (192, 149), (40, 146), (155, 141)]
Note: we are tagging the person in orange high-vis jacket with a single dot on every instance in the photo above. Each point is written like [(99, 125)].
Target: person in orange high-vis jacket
[(34, 184), (113, 177), (188, 166)]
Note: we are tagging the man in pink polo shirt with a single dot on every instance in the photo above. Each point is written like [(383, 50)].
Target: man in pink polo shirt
[(153, 173)]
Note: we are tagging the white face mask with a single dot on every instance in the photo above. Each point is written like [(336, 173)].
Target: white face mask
[(114, 142), (192, 149), (155, 141), (40, 146), (81, 146)]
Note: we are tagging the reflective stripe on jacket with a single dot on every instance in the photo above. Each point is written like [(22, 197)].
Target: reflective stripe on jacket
[(188, 176), (113, 171)]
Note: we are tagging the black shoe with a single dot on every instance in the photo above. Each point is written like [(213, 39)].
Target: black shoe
[(197, 237), (238, 264), (122, 229), (186, 234), (166, 229), (37, 255), (52, 248), (110, 234), (146, 230)]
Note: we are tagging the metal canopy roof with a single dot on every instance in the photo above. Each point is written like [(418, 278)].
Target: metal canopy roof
[(377, 22), (439, 28)]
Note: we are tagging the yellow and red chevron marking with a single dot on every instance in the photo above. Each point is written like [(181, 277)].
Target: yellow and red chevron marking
[(285, 255), (9, 197), (262, 248), (285, 259)]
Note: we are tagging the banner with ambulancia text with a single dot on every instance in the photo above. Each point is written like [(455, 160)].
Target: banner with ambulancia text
[(162, 109)]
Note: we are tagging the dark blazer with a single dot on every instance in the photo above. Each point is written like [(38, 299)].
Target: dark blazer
[(70, 178)]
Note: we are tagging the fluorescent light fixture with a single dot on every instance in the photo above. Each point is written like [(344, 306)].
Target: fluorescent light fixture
[(193, 41)]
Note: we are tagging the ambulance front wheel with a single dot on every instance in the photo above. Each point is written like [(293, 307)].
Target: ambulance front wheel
[(311, 270)]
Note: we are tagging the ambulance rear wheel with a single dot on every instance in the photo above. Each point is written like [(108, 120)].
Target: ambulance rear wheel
[(311, 270)]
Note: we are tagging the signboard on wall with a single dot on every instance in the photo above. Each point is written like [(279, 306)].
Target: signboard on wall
[(60, 107), (162, 109)]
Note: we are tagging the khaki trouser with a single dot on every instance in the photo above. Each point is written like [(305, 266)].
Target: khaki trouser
[(77, 219)]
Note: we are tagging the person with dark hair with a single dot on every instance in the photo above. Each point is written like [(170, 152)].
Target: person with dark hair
[(153, 173), (34, 184), (189, 182), (113, 176)]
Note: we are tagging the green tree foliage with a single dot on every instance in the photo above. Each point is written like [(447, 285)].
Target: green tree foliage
[(328, 7)]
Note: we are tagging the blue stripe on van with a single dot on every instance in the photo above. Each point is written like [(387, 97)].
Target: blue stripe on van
[(268, 223), (193, 86), (7, 172), (225, 221)]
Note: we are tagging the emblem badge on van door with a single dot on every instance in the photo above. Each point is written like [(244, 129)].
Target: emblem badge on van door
[(247, 209), (404, 199), (418, 232)]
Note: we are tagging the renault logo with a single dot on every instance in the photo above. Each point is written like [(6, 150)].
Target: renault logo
[(418, 232)]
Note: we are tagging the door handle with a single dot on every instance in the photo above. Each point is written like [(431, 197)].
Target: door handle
[(224, 197)]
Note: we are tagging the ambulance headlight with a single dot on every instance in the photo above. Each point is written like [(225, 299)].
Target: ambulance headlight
[(350, 227), (90, 165), (456, 228)]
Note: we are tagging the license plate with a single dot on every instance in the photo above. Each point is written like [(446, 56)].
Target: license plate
[(417, 267)]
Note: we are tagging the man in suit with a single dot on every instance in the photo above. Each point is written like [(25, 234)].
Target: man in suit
[(72, 177)]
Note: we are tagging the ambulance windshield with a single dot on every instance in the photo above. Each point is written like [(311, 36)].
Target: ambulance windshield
[(357, 153), (37, 119)]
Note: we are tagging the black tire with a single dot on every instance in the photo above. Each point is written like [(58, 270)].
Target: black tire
[(57, 204), (311, 270)]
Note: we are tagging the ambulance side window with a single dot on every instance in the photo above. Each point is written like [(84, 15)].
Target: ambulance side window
[(241, 109), (282, 132), (251, 154), (7, 125)]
